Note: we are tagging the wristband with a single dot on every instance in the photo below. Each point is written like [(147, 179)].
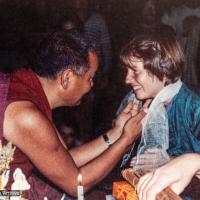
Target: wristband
[(106, 140)]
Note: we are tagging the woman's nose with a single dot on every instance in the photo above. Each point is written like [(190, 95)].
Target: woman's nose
[(129, 77)]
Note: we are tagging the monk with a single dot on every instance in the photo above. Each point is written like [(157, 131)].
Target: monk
[(62, 74)]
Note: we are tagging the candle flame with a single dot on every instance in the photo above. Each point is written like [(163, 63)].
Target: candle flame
[(80, 179)]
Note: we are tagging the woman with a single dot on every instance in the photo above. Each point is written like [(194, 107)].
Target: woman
[(155, 63)]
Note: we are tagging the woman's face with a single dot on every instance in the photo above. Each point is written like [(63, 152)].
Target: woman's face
[(144, 83)]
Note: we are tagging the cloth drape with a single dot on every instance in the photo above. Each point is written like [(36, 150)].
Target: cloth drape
[(155, 130)]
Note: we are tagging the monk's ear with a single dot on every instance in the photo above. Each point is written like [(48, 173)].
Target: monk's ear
[(65, 78)]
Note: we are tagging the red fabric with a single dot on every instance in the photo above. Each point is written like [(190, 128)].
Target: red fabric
[(40, 189), (24, 85), (4, 85)]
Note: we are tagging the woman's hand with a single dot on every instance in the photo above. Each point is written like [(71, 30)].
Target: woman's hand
[(176, 174)]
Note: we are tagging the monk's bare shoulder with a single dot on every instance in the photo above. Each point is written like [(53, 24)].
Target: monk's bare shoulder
[(24, 122)]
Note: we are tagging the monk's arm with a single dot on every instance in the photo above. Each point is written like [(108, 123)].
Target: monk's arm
[(27, 128)]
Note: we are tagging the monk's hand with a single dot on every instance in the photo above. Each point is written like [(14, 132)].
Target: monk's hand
[(132, 128), (130, 110)]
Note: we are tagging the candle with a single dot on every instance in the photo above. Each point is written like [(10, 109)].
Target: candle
[(80, 191)]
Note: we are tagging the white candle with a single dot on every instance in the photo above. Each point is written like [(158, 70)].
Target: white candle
[(80, 190)]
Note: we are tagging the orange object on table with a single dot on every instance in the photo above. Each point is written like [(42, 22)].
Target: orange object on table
[(122, 190)]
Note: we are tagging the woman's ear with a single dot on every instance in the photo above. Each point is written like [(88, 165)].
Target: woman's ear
[(66, 77), (166, 81)]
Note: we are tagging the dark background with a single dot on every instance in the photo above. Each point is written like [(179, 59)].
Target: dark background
[(23, 22)]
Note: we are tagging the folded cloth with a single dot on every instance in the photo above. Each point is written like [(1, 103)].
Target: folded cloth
[(122, 190), (40, 188)]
